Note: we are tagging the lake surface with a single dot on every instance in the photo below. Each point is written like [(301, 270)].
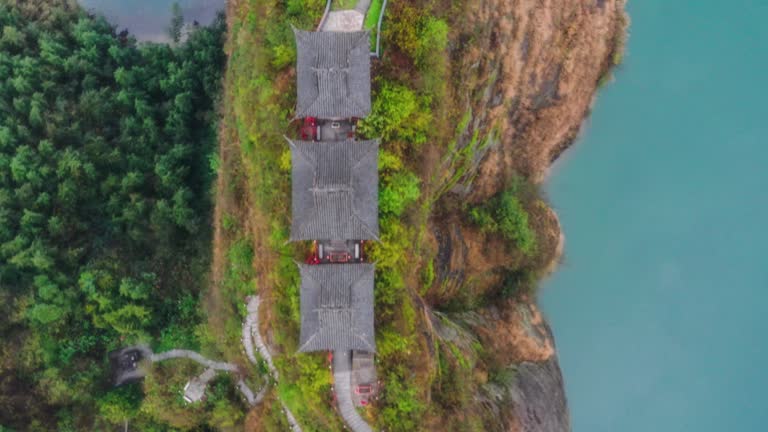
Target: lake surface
[(659, 310), (148, 20)]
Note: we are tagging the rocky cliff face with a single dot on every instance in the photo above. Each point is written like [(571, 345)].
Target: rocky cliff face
[(533, 398), (529, 70), (532, 68)]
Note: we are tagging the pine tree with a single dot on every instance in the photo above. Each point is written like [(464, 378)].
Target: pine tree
[(177, 22)]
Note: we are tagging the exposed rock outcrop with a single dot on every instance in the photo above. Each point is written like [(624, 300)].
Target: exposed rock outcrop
[(532, 68), (528, 70), (535, 394), (526, 390)]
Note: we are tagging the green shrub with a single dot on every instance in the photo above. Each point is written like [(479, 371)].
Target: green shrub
[(433, 40), (392, 345), (451, 389), (505, 215), (482, 217), (389, 254), (397, 113), (225, 415), (389, 284), (512, 220), (278, 34), (220, 394), (504, 376), (388, 163), (402, 29), (119, 404), (240, 258), (283, 55), (419, 35), (401, 190), (402, 407), (177, 335), (305, 387), (391, 262), (518, 283), (229, 223)]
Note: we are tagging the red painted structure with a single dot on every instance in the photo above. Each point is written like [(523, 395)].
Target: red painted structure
[(308, 130)]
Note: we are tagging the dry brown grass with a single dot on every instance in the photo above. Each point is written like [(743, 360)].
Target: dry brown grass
[(548, 57), (231, 203), (226, 202)]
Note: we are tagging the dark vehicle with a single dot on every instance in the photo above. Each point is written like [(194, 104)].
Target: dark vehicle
[(126, 365)]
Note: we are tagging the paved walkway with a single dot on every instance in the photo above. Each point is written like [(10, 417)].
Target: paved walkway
[(362, 6), (249, 396), (251, 337), (347, 20), (210, 364), (343, 21), (192, 355), (342, 378)]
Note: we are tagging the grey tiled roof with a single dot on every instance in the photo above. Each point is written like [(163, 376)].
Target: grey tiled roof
[(337, 307), (335, 190), (333, 72)]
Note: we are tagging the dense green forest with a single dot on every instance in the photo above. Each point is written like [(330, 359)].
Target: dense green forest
[(105, 206)]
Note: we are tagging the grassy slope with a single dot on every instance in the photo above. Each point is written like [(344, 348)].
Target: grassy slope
[(259, 95), (372, 16)]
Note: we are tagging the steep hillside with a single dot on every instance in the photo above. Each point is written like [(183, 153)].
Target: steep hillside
[(528, 72), (473, 101)]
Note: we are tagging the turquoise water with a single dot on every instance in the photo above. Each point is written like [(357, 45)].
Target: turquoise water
[(149, 19), (659, 310)]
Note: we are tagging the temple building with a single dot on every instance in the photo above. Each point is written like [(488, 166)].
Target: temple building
[(333, 74), (335, 205), (337, 308), (335, 190)]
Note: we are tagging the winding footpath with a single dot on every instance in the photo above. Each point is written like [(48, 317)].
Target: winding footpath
[(210, 364), (192, 355), (251, 337), (342, 371), (248, 393)]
